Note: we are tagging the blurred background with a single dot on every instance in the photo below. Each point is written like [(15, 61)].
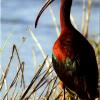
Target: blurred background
[(18, 16)]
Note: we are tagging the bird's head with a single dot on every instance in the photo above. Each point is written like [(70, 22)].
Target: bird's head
[(48, 2)]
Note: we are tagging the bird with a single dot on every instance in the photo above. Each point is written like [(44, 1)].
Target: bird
[(73, 57)]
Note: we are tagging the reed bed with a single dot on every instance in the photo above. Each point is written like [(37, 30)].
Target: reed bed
[(44, 81), (44, 85)]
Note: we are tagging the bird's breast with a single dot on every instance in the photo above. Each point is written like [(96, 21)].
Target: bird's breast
[(63, 50)]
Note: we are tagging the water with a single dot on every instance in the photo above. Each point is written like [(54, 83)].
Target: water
[(18, 15)]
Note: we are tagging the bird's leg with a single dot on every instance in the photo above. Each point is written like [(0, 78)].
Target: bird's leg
[(64, 92)]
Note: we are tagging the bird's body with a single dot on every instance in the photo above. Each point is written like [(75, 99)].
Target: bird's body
[(73, 57), (75, 64)]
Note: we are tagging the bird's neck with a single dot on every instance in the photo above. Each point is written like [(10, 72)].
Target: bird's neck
[(65, 14)]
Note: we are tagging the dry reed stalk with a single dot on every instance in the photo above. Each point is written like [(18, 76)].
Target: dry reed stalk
[(54, 21), (6, 71), (48, 83), (8, 66), (15, 79), (87, 18), (38, 45), (42, 81), (83, 15), (1, 52), (3, 80), (33, 80)]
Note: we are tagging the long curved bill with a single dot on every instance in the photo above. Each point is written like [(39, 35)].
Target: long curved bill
[(41, 11)]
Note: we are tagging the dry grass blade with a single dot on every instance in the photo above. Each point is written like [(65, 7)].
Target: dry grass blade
[(7, 70), (21, 64), (12, 97), (59, 95), (83, 16), (8, 66), (38, 45), (13, 82), (42, 81), (88, 14), (1, 52), (54, 21), (46, 88), (16, 96), (22, 76), (15, 79), (33, 80), (52, 88)]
